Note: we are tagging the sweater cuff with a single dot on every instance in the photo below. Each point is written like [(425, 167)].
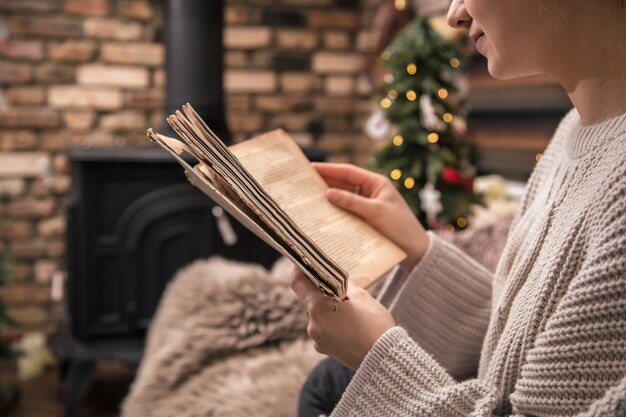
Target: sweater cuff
[(444, 304), (387, 361)]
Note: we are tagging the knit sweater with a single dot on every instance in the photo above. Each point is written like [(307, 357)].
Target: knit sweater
[(547, 330)]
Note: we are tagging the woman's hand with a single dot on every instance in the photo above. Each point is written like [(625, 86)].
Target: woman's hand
[(379, 203), (347, 330)]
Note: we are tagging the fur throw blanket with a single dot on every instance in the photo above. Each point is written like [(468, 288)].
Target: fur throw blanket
[(229, 339)]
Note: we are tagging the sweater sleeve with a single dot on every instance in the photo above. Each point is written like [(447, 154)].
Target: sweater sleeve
[(444, 305), (576, 367)]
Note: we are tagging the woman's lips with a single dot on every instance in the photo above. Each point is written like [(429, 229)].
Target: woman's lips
[(477, 38)]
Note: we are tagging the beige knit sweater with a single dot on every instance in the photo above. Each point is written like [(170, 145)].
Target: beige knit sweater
[(547, 331)]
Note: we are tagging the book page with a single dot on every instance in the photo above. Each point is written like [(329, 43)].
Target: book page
[(281, 168)]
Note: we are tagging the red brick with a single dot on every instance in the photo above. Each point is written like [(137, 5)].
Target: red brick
[(12, 187), (337, 39), (237, 15), (25, 293), (245, 122), (56, 141), (124, 121), (35, 117), (72, 50), (278, 104), (17, 229), (29, 315), (20, 96), (30, 208), (46, 26), (115, 76), (19, 271), (247, 37), (158, 78), (17, 140), (22, 164), (333, 19), (237, 102), (30, 5), (44, 269), (335, 105), (236, 59), (249, 81), (32, 50), (339, 86), (298, 82), (12, 73), (78, 120), (52, 227), (145, 99), (152, 54), (136, 9), (112, 29), (332, 62), (61, 164), (302, 40), (55, 73), (290, 122), (87, 7), (83, 97)]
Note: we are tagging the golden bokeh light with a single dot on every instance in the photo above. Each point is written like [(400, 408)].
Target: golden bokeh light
[(411, 95), (393, 94), (385, 103), (455, 63), (411, 69), (432, 137), (396, 174), (398, 140), (409, 183), (461, 222), (447, 117), (442, 93)]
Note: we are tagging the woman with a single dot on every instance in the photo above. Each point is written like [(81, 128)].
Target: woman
[(548, 330)]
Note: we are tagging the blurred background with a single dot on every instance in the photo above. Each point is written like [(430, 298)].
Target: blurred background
[(82, 80)]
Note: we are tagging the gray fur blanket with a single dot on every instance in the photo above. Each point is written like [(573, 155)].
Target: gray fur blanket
[(229, 339)]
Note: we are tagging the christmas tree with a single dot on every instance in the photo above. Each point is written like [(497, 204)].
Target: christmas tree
[(429, 157)]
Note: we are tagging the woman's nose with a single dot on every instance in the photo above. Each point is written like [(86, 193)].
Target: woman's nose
[(458, 17)]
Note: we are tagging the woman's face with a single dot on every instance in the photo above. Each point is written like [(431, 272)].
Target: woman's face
[(518, 37)]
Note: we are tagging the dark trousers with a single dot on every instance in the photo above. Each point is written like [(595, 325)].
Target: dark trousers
[(323, 388)]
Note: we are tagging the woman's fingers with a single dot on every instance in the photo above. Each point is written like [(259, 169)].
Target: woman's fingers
[(306, 292), (348, 174), (363, 207)]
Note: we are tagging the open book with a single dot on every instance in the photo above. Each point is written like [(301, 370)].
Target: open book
[(268, 184)]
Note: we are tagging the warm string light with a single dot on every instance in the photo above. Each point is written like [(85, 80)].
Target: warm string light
[(442, 93), (385, 103), (432, 137), (449, 228), (461, 222), (448, 118), (400, 4), (411, 69), (411, 95), (393, 94), (455, 63), (409, 183), (396, 174), (398, 140), (385, 55)]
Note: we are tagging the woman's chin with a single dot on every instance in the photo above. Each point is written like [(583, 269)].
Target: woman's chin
[(503, 71)]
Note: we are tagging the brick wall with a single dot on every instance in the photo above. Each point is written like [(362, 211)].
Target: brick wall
[(88, 73)]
